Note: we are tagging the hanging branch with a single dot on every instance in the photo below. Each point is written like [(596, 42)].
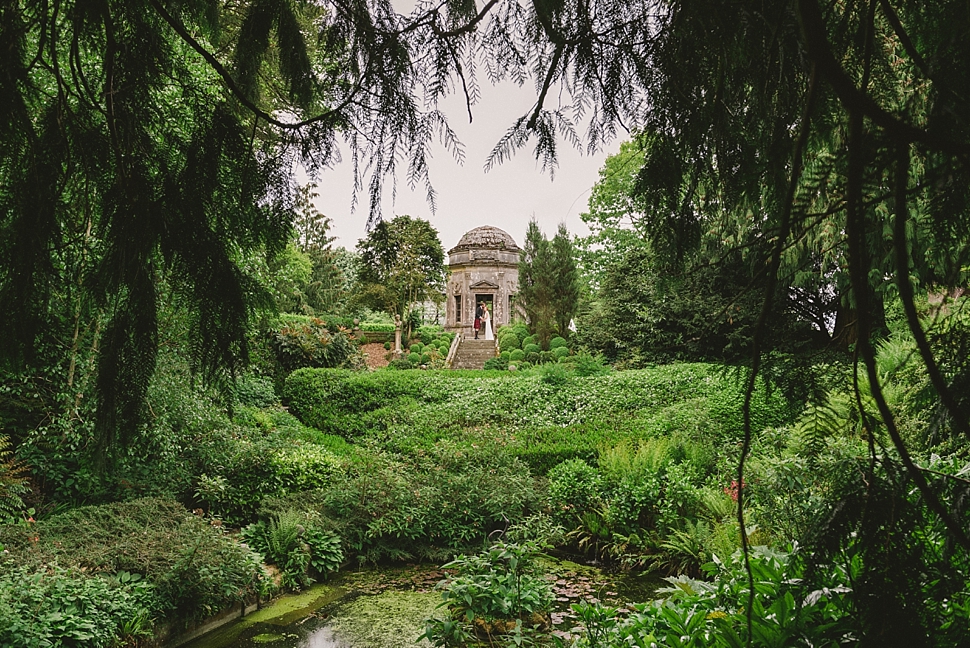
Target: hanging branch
[(784, 229)]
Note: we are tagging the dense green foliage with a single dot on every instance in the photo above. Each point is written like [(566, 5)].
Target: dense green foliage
[(548, 282), (499, 592), (401, 265), (61, 607), (297, 545), (542, 421), (192, 567)]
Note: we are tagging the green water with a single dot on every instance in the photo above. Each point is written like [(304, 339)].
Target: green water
[(386, 608)]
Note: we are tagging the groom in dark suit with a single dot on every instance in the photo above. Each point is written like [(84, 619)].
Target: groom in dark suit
[(479, 313)]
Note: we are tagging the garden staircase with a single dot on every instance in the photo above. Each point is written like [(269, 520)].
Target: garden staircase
[(472, 353)]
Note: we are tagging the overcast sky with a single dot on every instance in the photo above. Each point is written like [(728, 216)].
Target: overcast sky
[(508, 196)]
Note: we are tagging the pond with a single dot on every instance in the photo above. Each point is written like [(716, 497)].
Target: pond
[(387, 607)]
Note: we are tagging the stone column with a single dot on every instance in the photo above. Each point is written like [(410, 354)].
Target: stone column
[(397, 334)]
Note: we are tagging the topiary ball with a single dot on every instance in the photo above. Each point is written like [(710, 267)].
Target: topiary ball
[(415, 348), (505, 355), (425, 358), (558, 342), (560, 351), (517, 355), (509, 341), (532, 357), (414, 358), (531, 348), (387, 346)]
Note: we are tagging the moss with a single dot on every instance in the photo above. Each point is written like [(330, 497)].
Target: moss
[(281, 612)]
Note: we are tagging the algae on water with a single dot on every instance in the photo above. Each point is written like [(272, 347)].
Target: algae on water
[(388, 620)]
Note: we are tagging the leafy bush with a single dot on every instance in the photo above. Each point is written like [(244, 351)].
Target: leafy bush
[(532, 357), (443, 350), (560, 352), (416, 347), (387, 346), (558, 343), (517, 355), (294, 542), (193, 567), (531, 339), (400, 363), (697, 613), (425, 359), (311, 344), (509, 341), (255, 391), (494, 593), (531, 348), (426, 505), (555, 375), (52, 606), (429, 333), (265, 467), (574, 488), (497, 364), (414, 358), (587, 365)]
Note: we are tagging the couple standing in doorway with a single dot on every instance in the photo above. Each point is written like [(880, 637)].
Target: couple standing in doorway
[(483, 321)]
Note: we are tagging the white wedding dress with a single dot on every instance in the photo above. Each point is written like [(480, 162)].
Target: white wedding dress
[(488, 326)]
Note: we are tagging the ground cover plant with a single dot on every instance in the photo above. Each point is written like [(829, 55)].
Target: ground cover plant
[(190, 567), (541, 420)]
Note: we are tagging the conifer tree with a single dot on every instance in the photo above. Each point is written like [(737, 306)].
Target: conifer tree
[(565, 280), (536, 283)]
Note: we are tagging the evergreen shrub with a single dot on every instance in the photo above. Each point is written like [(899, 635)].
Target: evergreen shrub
[(558, 342), (532, 357), (255, 391), (416, 347), (387, 346), (400, 363), (531, 348), (425, 359), (560, 352), (517, 355), (428, 333), (414, 358), (499, 363), (509, 341)]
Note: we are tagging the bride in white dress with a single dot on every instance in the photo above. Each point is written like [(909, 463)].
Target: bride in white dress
[(487, 317)]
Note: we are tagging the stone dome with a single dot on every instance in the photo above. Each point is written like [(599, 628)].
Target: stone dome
[(486, 238)]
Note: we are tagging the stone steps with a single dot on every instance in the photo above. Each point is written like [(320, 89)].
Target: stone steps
[(472, 353)]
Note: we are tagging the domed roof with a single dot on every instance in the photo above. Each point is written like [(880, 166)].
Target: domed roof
[(487, 238)]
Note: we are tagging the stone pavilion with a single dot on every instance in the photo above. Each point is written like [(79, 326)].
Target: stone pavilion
[(484, 267)]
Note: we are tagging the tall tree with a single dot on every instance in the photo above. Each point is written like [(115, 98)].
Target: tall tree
[(401, 265), (536, 283), (565, 280)]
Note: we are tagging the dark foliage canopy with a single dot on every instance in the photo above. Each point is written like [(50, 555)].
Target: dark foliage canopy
[(149, 140)]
